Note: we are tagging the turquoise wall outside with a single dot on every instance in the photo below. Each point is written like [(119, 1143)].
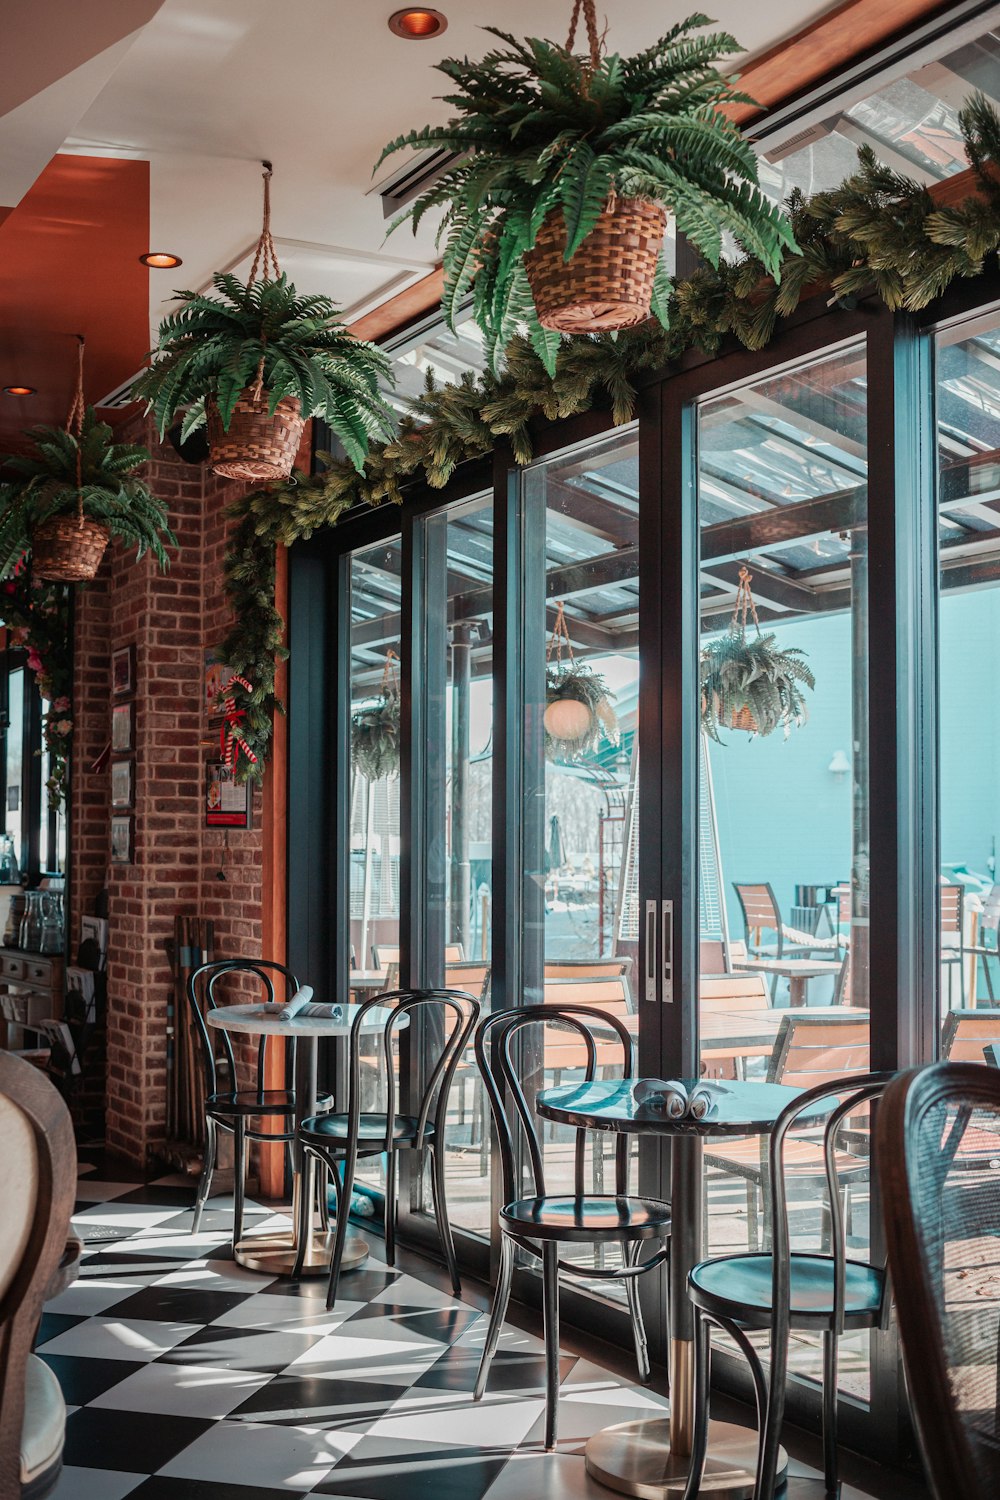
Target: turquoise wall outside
[(785, 818)]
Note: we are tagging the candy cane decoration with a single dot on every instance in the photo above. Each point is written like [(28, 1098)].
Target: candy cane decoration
[(230, 739)]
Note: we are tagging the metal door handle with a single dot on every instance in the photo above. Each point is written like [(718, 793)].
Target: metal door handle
[(667, 923), (651, 939)]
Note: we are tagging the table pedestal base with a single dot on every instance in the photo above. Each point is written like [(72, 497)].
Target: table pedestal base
[(635, 1459), (274, 1254)]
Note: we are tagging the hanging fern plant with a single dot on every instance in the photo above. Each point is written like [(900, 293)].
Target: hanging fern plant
[(746, 682), (375, 739), (578, 713), (552, 143)]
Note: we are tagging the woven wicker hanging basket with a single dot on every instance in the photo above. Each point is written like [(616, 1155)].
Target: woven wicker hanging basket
[(608, 283), (257, 446), (65, 549), (742, 718)]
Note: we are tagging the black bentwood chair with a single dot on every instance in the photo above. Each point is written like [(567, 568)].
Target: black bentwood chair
[(342, 1138), (543, 1221), (230, 1107), (937, 1145), (781, 1290)]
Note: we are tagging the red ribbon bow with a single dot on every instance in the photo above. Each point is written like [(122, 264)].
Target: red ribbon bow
[(230, 739)]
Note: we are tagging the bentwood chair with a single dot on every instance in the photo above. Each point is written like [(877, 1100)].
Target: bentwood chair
[(445, 1020), (942, 1226), (228, 1105), (542, 1222), (37, 1189), (783, 1290)]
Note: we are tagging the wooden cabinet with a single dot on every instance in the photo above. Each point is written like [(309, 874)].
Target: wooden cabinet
[(31, 990)]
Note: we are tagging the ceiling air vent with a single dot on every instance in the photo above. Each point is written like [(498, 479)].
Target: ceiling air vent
[(121, 396), (417, 175)]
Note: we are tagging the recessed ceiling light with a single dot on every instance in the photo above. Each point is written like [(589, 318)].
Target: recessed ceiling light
[(19, 390), (416, 24), (160, 260)]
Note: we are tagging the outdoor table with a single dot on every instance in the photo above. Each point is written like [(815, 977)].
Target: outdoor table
[(275, 1253), (367, 979), (650, 1458), (798, 971)]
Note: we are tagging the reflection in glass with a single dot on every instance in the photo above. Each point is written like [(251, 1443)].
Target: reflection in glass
[(782, 497), (968, 435), (15, 761)]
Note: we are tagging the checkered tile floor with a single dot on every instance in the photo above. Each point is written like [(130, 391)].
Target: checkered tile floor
[(187, 1377)]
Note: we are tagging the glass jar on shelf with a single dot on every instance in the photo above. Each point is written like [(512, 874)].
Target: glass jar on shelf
[(51, 933), (31, 922)]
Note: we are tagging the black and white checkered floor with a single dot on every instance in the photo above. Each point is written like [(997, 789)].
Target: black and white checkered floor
[(189, 1378)]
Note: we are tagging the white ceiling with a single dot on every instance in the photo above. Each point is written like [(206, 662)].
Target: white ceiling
[(205, 90)]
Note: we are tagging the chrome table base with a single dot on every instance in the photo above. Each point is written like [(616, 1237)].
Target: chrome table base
[(635, 1459)]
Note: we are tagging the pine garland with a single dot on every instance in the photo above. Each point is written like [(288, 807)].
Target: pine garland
[(878, 231)]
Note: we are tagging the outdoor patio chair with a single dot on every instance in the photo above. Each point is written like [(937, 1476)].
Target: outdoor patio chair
[(384, 954), (943, 1238), (732, 994), (952, 933), (761, 914), (808, 1050), (819, 1292), (543, 1223), (965, 1033)]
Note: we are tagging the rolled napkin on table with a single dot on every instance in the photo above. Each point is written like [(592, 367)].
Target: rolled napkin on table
[(673, 1099), (322, 1011), (295, 1004)]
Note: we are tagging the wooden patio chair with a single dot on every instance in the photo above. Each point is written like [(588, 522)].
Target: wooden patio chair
[(808, 1051), (966, 1033), (989, 922), (952, 930), (733, 994)]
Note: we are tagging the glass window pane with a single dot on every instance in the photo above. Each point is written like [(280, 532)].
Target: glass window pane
[(15, 760), (968, 434), (583, 694), (376, 595), (782, 496)]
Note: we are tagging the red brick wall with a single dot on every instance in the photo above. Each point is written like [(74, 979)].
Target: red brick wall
[(172, 619)]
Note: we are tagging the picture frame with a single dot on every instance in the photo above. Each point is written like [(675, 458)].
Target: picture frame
[(228, 803), (123, 728), (123, 671), (123, 839), (123, 782)]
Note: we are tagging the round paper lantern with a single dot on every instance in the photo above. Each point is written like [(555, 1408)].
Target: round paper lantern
[(567, 719)]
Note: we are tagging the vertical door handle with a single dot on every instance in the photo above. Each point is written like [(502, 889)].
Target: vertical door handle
[(652, 937), (667, 923)]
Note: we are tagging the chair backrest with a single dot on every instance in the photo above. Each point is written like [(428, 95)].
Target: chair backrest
[(734, 993), (574, 968), (498, 1055), (812, 1050), (942, 1220), (384, 954), (966, 1032), (711, 956), (831, 1105), (992, 1055), (448, 1017), (608, 992), (37, 1188), (473, 978), (760, 911), (204, 992), (952, 907)]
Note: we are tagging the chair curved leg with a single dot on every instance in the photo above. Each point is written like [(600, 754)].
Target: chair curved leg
[(343, 1227), (699, 1436), (774, 1413), (630, 1255), (390, 1209), (239, 1178), (550, 1317), (498, 1313), (323, 1193), (208, 1168), (440, 1199)]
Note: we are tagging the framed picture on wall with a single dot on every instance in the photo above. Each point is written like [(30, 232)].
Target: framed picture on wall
[(123, 728), (122, 839), (123, 783), (228, 803), (123, 671)]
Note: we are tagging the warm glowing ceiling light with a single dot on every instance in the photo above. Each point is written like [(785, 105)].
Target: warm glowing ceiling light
[(415, 23), (160, 260), (19, 390)]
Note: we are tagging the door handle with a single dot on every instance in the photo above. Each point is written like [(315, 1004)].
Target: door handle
[(651, 941), (667, 923)]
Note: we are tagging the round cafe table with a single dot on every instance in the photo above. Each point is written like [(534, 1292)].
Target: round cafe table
[(275, 1253), (650, 1459)]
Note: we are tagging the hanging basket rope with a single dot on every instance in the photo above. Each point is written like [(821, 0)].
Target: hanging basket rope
[(559, 639), (258, 446), (593, 37), (389, 686), (74, 426), (744, 605)]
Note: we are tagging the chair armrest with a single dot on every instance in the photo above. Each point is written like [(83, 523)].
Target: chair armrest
[(67, 1270)]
